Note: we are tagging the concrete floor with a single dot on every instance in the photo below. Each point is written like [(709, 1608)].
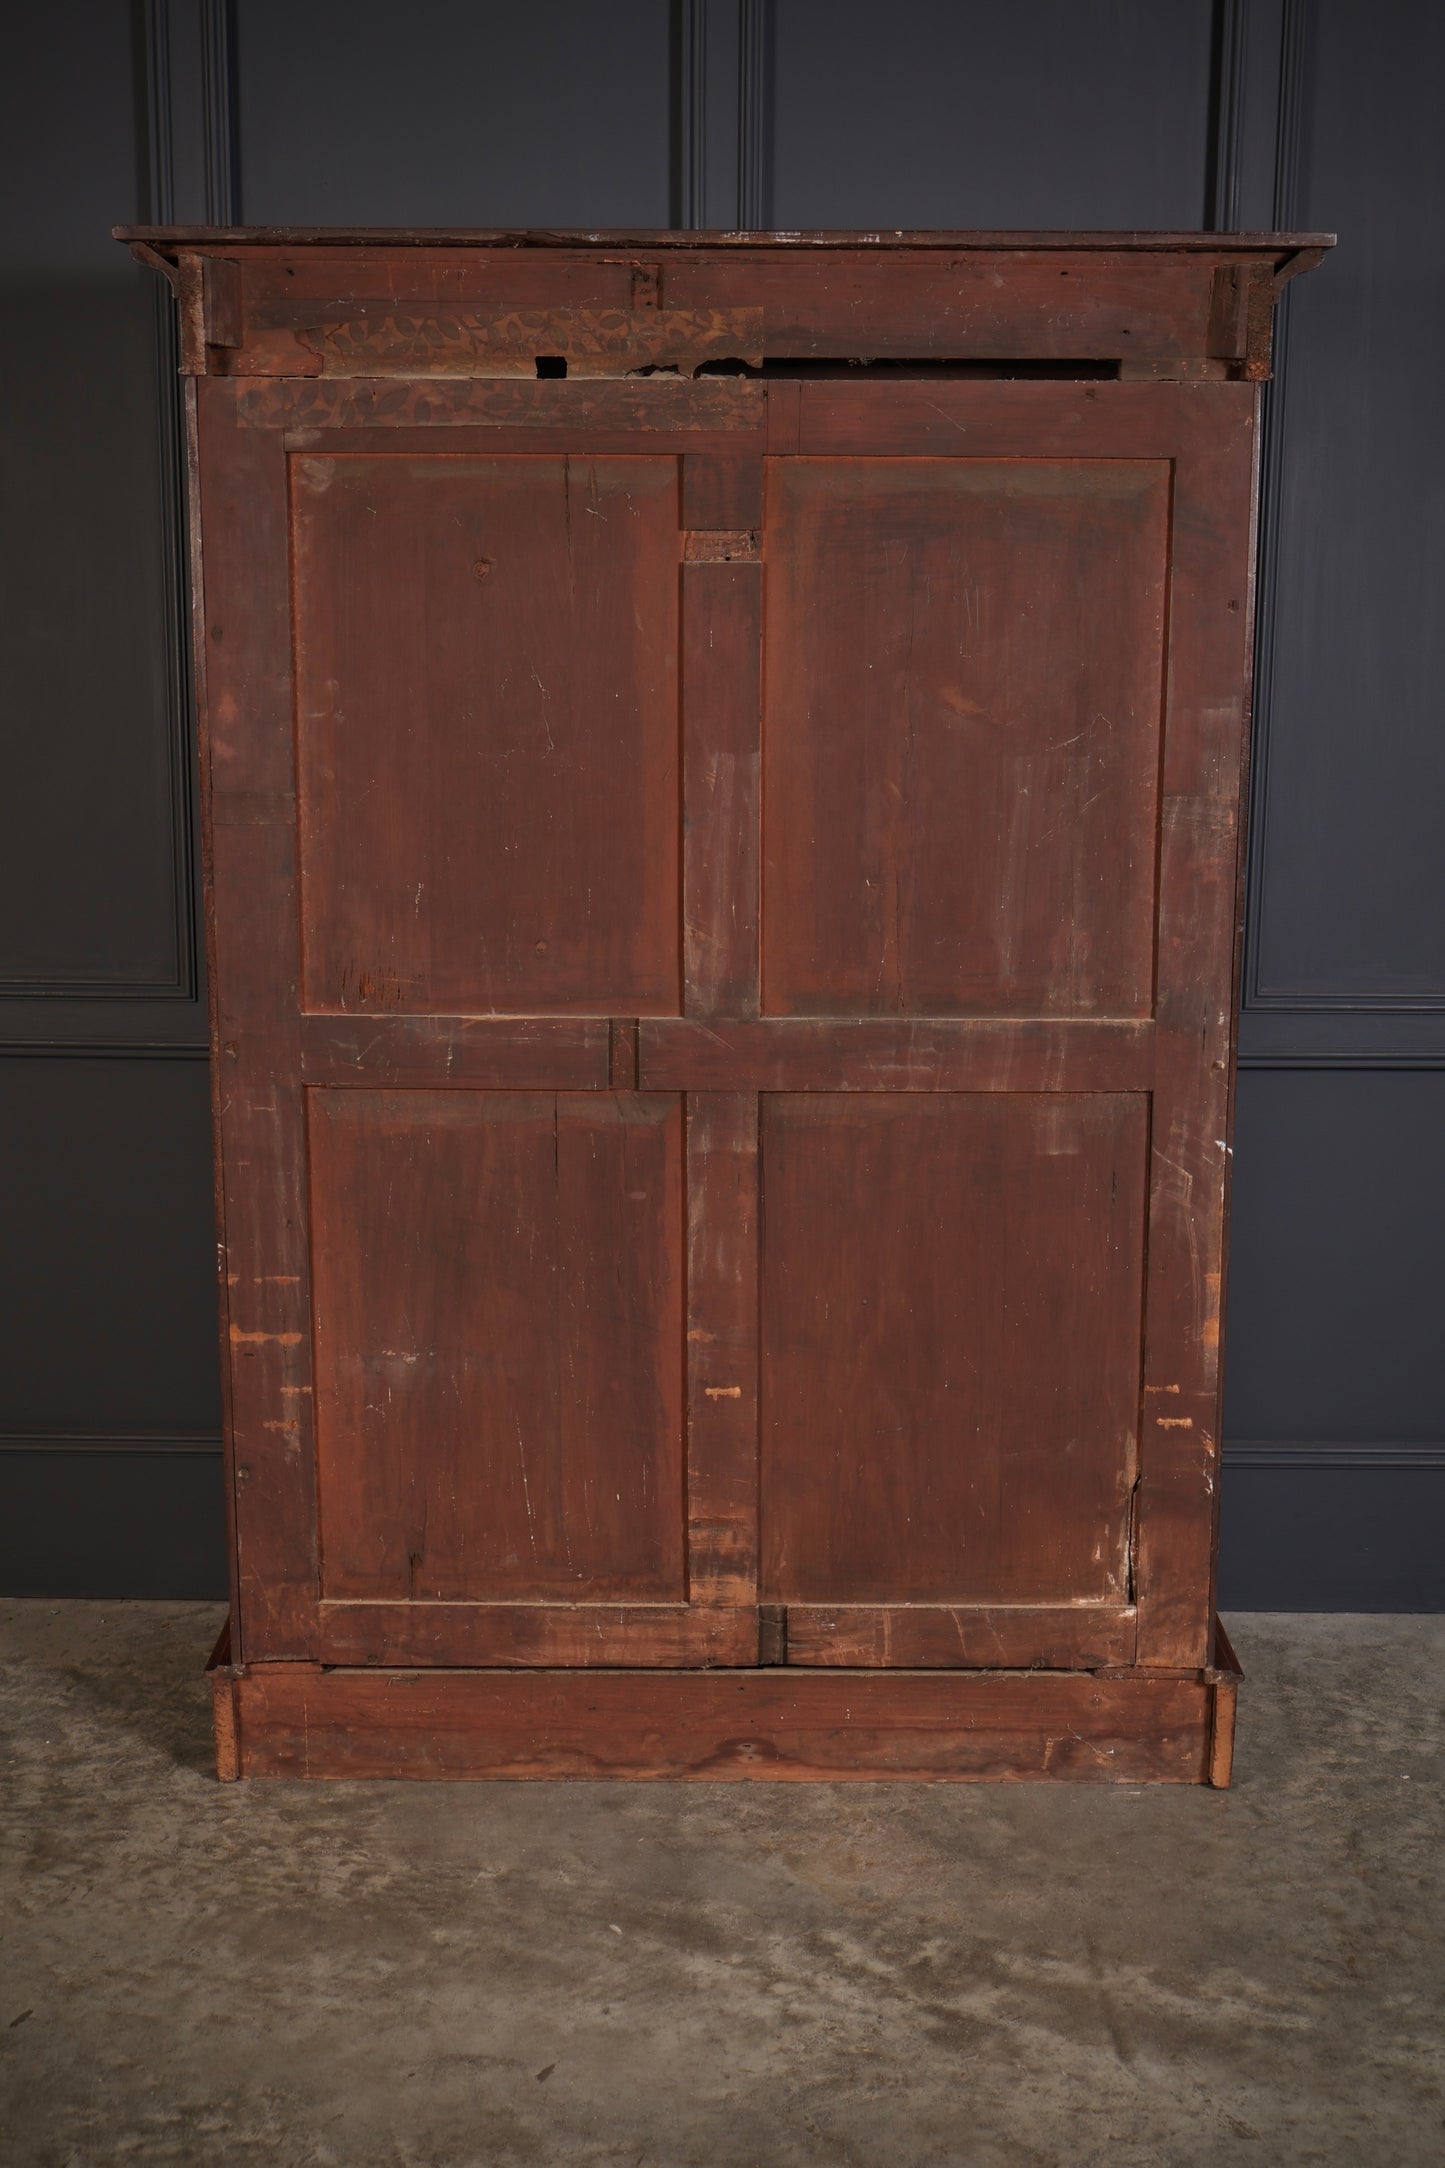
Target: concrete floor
[(410, 1976)]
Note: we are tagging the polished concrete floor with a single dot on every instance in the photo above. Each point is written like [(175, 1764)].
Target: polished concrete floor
[(410, 1976)]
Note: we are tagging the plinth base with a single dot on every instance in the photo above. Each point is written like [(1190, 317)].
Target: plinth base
[(1115, 1727)]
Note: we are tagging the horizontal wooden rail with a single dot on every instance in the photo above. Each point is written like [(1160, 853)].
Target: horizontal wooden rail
[(523, 1053), (880, 1054)]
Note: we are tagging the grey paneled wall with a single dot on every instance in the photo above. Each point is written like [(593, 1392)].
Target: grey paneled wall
[(94, 876), (556, 113), (1349, 906), (1039, 113), (1246, 113), (109, 1405)]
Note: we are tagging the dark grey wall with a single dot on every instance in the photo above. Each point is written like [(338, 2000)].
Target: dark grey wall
[(1246, 113)]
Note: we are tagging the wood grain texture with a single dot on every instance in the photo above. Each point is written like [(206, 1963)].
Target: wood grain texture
[(950, 1346), (247, 768), (1225, 1676), (722, 1348), (592, 342), (537, 1635), (1204, 750), (222, 1676), (743, 876), (488, 778), (903, 1054), (721, 719), (284, 293), (721, 494), (523, 1053), (1011, 420), (498, 1331), (961, 731), (622, 1053), (960, 295), (199, 690), (710, 416), (1046, 305), (1061, 1637), (766, 1725)]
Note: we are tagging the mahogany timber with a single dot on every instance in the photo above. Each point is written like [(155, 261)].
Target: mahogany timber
[(295, 1720), (309, 302), (1224, 1675), (411, 866), (453, 1450), (722, 871), (951, 1299), (895, 729)]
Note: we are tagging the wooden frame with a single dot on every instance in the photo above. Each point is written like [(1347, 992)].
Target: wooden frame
[(1086, 409)]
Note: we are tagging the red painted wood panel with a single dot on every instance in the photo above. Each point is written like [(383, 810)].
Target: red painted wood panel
[(961, 733), (487, 707), (857, 758), (498, 1329), (951, 1306)]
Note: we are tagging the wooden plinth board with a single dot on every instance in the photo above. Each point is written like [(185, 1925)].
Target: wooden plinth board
[(768, 1726)]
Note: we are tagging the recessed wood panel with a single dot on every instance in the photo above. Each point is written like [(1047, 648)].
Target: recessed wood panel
[(498, 1332), (487, 722), (961, 735), (950, 1345)]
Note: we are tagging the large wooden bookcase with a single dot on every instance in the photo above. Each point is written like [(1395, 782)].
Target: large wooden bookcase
[(722, 763)]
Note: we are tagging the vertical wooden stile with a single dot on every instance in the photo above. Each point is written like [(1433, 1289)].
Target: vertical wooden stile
[(722, 1352)]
